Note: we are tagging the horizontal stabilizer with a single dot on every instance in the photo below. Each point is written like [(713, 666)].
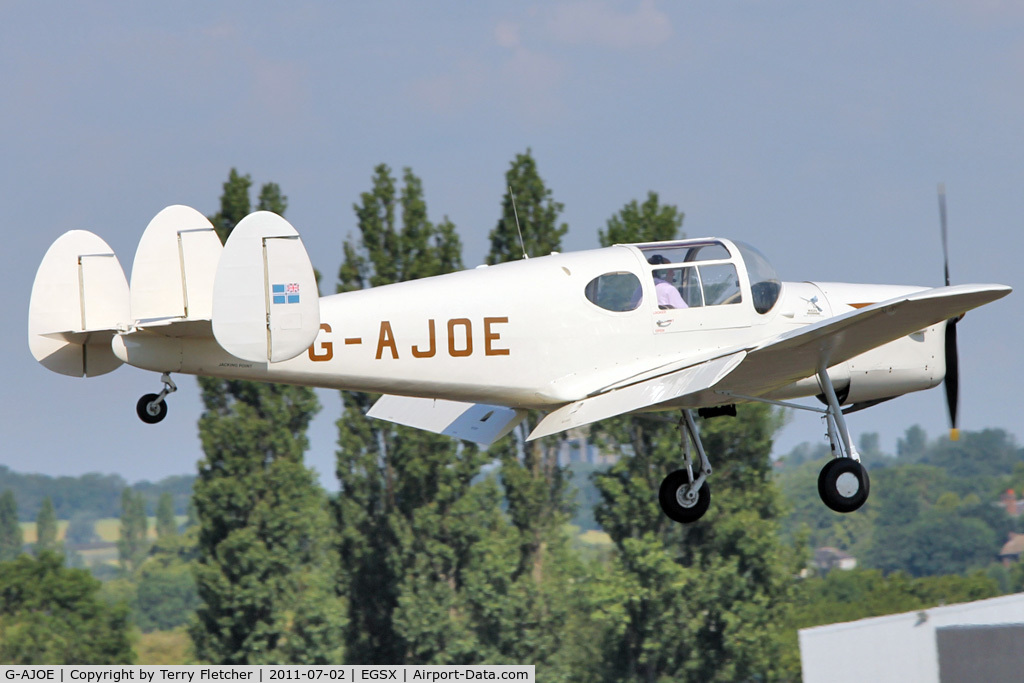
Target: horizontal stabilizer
[(637, 396), (79, 301), (476, 422), (266, 306), (175, 265)]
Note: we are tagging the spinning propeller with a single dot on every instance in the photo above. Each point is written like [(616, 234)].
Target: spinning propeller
[(952, 380)]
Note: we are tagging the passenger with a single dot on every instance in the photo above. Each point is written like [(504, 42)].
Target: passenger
[(668, 295)]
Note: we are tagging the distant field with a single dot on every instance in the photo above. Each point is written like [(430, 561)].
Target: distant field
[(108, 529)]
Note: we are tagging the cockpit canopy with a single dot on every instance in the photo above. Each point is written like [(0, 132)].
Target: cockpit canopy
[(701, 273)]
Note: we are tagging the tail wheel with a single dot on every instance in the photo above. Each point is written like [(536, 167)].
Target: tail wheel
[(151, 408), (843, 485), (677, 501)]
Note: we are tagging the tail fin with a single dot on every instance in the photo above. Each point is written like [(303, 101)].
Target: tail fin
[(79, 301), (174, 268), (266, 306)]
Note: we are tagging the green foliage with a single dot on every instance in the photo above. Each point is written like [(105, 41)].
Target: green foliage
[(53, 615), (265, 562), (411, 520), (166, 596), (11, 539), (647, 222), (132, 542), (95, 495), (166, 524), (861, 593), (537, 211), (46, 527)]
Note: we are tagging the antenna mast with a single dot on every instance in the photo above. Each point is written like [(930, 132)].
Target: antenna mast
[(515, 212)]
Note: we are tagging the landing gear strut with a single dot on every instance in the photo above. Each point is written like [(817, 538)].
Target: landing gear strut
[(684, 494), (152, 408), (843, 483)]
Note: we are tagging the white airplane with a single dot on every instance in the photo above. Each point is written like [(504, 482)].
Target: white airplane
[(696, 324)]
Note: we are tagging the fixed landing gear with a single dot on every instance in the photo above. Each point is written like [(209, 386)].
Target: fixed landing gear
[(152, 408), (843, 483), (684, 494)]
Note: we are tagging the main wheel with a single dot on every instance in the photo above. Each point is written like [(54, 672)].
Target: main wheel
[(149, 410), (676, 505), (843, 484)]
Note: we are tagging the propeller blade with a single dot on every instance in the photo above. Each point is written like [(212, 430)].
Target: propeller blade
[(952, 380), (942, 222)]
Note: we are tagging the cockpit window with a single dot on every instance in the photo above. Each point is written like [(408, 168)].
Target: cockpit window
[(688, 253), (614, 291), (764, 282), (720, 284)]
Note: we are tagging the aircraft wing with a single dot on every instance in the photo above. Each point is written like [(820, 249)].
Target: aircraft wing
[(642, 394), (795, 355), (760, 368)]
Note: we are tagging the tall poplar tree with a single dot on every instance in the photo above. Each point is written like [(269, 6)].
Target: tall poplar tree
[(166, 524), (541, 590), (11, 538), (266, 562), (697, 602), (132, 542), (46, 527), (413, 525)]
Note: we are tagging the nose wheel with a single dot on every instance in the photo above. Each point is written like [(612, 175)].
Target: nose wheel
[(152, 408)]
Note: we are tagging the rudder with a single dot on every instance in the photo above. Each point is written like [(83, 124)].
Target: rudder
[(266, 306), (79, 302)]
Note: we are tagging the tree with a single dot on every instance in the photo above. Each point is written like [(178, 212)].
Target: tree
[(700, 601), (46, 527), (132, 542), (537, 215), (53, 615), (166, 524), (411, 521), (265, 566), (11, 538), (540, 591)]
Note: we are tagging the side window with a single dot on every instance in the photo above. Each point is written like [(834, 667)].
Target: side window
[(690, 288), (614, 291), (721, 284)]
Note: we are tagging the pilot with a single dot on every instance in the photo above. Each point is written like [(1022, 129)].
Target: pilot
[(668, 295)]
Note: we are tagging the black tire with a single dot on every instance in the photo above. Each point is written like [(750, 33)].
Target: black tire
[(150, 412), (843, 485), (670, 496)]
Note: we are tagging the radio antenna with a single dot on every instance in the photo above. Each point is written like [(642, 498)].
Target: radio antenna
[(518, 229)]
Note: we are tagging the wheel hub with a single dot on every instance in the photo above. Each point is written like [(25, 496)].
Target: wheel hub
[(847, 484), (686, 496)]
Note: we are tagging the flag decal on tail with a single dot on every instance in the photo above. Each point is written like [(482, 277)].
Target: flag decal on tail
[(286, 294)]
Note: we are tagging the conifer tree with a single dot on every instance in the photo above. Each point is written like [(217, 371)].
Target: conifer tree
[(46, 527), (11, 538), (266, 565)]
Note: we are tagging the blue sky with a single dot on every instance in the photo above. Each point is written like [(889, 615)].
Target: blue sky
[(816, 131)]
